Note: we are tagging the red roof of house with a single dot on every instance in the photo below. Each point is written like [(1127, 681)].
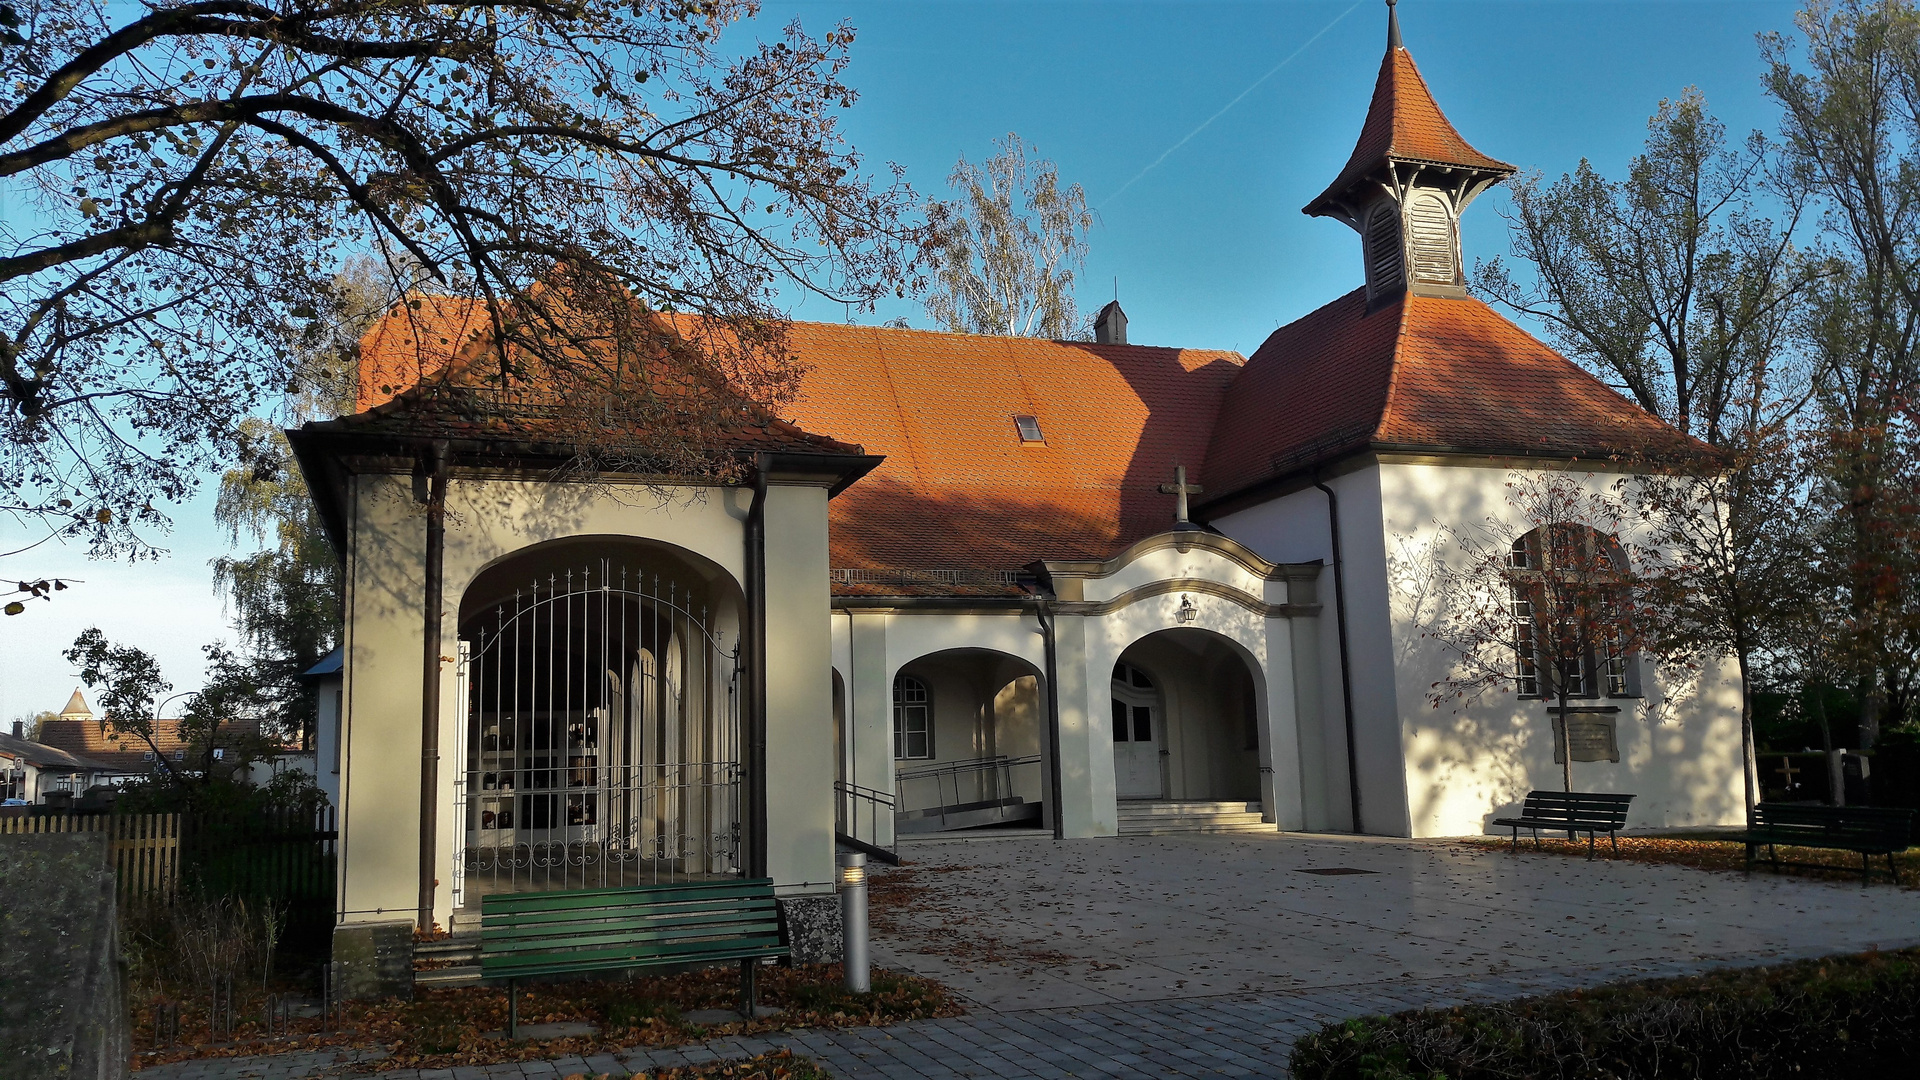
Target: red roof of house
[(1419, 373), (94, 742), (1403, 124), (421, 361), (413, 340), (960, 497)]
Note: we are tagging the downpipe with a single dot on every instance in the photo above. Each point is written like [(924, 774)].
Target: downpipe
[(1346, 669), (756, 644)]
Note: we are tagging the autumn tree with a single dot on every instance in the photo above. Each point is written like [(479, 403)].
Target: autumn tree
[(1547, 602), (1006, 252), (1731, 563), (195, 172), (1682, 284), (129, 689), (1851, 120)]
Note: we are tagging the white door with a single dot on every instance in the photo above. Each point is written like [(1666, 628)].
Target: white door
[(1136, 735)]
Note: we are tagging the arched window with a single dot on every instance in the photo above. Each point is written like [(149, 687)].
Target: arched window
[(1134, 699), (912, 719), (1431, 248), (1571, 624)]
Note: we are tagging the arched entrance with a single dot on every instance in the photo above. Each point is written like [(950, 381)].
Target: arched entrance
[(1186, 715), (601, 737), (968, 741)]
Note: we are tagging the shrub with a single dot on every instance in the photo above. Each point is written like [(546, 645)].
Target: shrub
[(1840, 1017)]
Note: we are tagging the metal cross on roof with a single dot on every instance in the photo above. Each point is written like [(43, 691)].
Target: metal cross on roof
[(1180, 489)]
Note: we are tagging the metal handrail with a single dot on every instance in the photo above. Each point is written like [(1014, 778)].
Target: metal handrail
[(847, 803), (969, 765), (1001, 767)]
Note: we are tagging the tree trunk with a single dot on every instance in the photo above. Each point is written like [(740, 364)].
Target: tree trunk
[(1566, 739), (1749, 753)]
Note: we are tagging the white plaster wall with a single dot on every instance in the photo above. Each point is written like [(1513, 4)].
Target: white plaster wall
[(1294, 528), (1170, 563), (1679, 749)]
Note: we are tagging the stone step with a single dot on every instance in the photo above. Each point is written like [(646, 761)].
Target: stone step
[(1214, 824), (458, 975), (1164, 808)]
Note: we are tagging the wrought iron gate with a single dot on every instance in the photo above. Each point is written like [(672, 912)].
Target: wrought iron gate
[(601, 741)]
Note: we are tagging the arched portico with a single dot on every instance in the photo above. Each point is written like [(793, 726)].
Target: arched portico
[(968, 741), (1186, 720)]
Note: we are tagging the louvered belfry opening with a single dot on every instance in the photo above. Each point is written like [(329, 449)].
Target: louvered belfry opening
[(601, 736), (1383, 249), (1431, 245)]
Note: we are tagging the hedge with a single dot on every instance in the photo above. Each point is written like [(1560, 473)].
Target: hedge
[(1841, 1017)]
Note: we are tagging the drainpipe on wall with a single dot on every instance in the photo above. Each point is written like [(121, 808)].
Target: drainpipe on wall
[(756, 645), (1346, 671), (1053, 718), (436, 499)]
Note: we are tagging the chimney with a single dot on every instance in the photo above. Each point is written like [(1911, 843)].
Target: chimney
[(1110, 326), (19, 729)]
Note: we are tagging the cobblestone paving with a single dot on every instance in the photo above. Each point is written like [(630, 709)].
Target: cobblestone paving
[(1247, 1035), (1208, 957)]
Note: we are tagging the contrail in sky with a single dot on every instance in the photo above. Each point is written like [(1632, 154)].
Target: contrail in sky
[(1223, 109)]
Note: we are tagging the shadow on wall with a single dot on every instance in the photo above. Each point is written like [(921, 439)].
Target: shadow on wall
[(1679, 745)]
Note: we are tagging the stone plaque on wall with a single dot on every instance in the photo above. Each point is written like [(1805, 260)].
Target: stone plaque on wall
[(1592, 736)]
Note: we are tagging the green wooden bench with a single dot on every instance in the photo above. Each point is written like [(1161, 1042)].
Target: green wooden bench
[(1868, 830), (1571, 812), (683, 924)]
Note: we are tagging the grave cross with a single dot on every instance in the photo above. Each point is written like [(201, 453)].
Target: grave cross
[(1180, 489), (1787, 771)]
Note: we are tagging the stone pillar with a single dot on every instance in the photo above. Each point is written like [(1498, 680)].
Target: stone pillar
[(1280, 771), (373, 960), (1087, 805), (870, 708)]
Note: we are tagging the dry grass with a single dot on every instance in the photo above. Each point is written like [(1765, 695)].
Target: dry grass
[(1721, 852)]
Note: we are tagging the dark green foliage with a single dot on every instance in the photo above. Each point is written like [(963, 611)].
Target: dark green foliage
[(1841, 1017)]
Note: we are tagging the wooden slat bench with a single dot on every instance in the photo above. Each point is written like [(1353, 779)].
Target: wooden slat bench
[(1869, 830), (1571, 812), (683, 924)]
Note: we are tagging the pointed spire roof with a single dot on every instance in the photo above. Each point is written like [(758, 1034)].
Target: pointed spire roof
[(76, 707), (1403, 125)]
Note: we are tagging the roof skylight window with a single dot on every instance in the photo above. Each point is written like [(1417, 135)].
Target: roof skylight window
[(1029, 429)]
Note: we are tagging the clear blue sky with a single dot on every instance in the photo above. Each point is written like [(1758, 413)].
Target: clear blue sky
[(1209, 246)]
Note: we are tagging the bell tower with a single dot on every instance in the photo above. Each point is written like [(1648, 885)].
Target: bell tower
[(1403, 190)]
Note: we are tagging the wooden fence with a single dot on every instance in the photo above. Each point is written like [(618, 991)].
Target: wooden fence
[(145, 848)]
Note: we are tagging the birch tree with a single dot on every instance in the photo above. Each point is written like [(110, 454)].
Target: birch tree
[(1006, 253)]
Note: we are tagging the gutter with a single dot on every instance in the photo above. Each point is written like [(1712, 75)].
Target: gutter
[(436, 478), (1346, 668)]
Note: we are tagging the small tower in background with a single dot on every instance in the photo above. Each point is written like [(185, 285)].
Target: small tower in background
[(76, 707), (1410, 176)]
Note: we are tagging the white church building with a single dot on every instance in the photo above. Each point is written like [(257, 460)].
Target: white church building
[(981, 582)]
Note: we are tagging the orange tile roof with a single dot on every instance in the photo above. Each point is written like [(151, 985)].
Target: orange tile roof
[(414, 339), (1403, 124), (960, 503), (126, 752), (419, 341), (958, 490), (1419, 373)]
